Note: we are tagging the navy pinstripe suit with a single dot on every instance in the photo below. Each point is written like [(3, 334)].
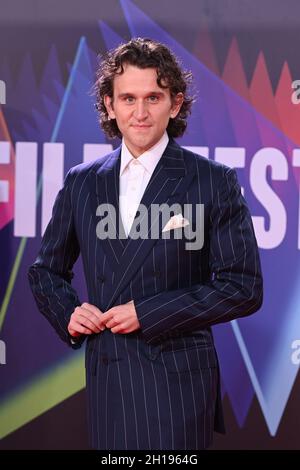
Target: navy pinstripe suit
[(158, 387)]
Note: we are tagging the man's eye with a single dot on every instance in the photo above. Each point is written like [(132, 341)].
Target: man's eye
[(153, 98), (129, 99)]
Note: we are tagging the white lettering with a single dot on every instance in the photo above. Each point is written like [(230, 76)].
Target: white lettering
[(275, 160)]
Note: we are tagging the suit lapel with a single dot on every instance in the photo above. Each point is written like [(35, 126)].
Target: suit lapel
[(105, 188), (168, 184)]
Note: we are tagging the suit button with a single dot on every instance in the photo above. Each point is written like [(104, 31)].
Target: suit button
[(156, 273), (153, 353), (105, 360), (100, 278)]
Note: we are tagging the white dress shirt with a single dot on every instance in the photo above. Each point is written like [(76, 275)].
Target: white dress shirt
[(135, 174)]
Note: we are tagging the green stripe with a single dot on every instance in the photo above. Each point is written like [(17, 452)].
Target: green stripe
[(12, 280), (42, 394)]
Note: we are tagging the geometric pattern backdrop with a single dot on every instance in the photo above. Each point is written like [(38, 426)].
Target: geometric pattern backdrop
[(49, 125)]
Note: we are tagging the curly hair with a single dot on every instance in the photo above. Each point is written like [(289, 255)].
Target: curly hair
[(143, 53)]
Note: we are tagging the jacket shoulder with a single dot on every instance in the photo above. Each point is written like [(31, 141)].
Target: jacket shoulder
[(93, 166), (205, 166)]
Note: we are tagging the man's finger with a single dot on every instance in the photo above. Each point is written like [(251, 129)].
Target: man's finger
[(78, 328), (81, 313), (92, 308), (118, 329), (89, 323), (110, 323), (105, 317)]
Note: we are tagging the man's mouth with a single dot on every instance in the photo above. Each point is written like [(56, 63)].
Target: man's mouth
[(142, 126)]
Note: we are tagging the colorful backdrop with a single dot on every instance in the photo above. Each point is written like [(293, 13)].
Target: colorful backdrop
[(244, 58)]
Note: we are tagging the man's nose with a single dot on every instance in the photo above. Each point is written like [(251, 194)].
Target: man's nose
[(141, 110)]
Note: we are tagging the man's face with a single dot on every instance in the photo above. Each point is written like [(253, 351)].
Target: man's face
[(141, 108)]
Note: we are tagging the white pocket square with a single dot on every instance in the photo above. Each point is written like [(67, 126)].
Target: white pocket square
[(176, 221)]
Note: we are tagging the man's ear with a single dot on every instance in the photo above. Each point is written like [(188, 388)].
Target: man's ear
[(176, 105), (109, 107)]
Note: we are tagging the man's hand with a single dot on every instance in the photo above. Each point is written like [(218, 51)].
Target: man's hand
[(121, 319), (86, 319)]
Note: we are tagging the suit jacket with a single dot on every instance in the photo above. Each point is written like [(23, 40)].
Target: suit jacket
[(158, 387)]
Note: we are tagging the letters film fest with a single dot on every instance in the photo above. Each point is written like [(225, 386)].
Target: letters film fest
[(150, 225)]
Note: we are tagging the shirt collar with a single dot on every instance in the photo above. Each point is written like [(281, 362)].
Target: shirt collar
[(148, 159)]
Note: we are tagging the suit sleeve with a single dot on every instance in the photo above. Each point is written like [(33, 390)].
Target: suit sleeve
[(51, 274), (235, 286)]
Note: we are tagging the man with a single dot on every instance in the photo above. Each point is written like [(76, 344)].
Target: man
[(151, 368)]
